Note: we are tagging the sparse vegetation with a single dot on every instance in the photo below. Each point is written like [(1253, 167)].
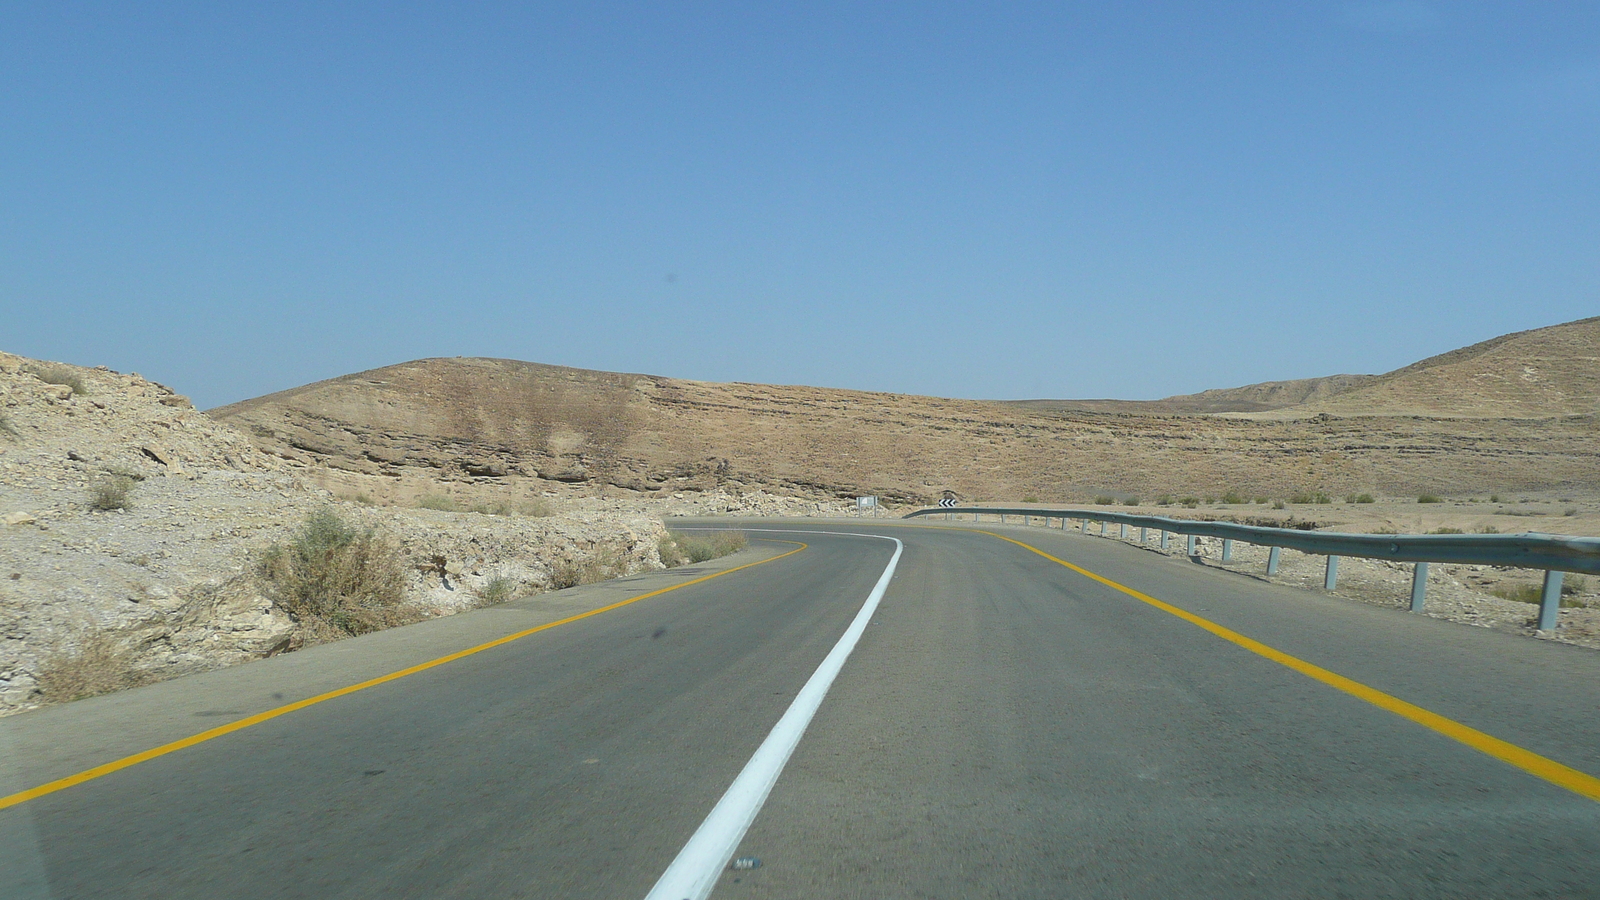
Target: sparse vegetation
[(1533, 593), (602, 566), (1105, 500), (1429, 498), (1233, 498), (1570, 511), (1131, 501), (1030, 499), (443, 503), (1445, 529), (57, 375), (678, 548), (1360, 498), (1279, 504), (360, 499), (1488, 529), (1190, 502), (498, 589), (96, 663), (6, 427), (111, 492), (334, 574), (1308, 497), (1494, 498), (1164, 500)]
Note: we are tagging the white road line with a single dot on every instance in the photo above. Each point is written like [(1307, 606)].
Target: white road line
[(694, 872)]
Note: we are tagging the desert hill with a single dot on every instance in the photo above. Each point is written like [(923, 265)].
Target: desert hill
[(1544, 372), (517, 428)]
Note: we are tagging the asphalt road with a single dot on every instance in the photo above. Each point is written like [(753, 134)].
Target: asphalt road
[(1006, 727)]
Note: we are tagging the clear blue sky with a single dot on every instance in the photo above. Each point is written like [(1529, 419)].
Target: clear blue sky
[(972, 200)]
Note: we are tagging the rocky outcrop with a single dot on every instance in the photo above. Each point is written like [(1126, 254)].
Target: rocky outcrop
[(165, 585)]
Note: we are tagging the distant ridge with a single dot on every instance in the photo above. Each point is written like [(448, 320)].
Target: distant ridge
[(1442, 425), (1535, 374), (1268, 395), (1539, 373)]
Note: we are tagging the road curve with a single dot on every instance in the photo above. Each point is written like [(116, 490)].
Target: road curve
[(1006, 727)]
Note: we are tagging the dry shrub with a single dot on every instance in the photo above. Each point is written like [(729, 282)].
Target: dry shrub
[(337, 579), (111, 492), (678, 548), (604, 565), (57, 375), (96, 663), (498, 589)]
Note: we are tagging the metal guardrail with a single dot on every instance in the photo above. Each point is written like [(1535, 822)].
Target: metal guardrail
[(1554, 553)]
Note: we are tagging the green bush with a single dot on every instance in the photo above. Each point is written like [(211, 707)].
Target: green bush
[(1164, 500), (111, 492), (1104, 500), (678, 548), (438, 502), (1488, 529), (1131, 501), (1233, 498), (1494, 498), (1429, 498), (1305, 497), (1279, 504), (1365, 498), (1190, 502), (336, 574), (1445, 529)]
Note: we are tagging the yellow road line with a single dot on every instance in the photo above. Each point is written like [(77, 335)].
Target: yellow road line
[(1580, 783), (127, 761)]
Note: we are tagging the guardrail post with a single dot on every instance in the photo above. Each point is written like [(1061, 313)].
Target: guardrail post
[(1143, 535), (1124, 534), (1330, 576), (1550, 600), (1227, 550), (1192, 541), (1273, 555), (1419, 586), (1085, 526), (1163, 539), (1102, 529)]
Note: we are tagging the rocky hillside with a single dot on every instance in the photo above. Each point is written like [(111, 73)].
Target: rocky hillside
[(161, 580), (493, 430)]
